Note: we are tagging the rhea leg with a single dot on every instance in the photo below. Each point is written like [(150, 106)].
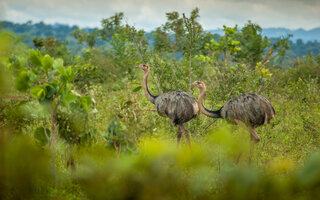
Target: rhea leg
[(240, 123), (254, 136), (179, 133), (237, 158), (186, 133), (254, 139)]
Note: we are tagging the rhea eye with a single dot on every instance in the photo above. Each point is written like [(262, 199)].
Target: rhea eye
[(198, 82)]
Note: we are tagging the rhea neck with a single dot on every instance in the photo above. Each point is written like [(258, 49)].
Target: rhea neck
[(147, 92), (204, 110)]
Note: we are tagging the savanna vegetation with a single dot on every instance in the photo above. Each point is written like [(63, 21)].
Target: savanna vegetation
[(78, 126), (301, 43)]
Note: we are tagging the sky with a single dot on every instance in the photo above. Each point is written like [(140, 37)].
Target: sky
[(149, 14)]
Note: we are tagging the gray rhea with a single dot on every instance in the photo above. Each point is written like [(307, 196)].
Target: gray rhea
[(249, 110), (179, 106)]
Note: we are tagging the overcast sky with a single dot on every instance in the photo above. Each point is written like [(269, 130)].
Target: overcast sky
[(149, 14)]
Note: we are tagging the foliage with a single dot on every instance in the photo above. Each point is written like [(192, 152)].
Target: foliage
[(24, 169), (125, 45), (164, 42), (89, 38), (115, 135), (300, 48), (29, 30), (252, 44), (110, 143), (47, 81), (227, 44), (54, 48), (73, 125)]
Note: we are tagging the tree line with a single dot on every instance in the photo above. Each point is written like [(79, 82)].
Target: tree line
[(29, 30)]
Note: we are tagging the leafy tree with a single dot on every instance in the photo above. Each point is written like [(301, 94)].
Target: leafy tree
[(111, 25), (170, 37), (278, 52), (162, 41), (193, 35), (47, 81), (127, 45), (53, 47), (84, 37), (252, 44), (228, 45), (256, 48)]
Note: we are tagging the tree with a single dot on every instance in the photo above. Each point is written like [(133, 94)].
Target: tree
[(127, 45), (48, 82), (252, 44), (162, 41), (53, 47), (90, 38), (226, 45), (170, 37), (193, 35)]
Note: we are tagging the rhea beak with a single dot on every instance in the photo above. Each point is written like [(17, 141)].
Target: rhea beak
[(136, 66)]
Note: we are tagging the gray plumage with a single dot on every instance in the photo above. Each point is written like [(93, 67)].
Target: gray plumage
[(178, 106), (252, 109)]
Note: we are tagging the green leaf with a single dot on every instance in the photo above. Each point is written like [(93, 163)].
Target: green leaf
[(70, 74), (32, 77), (40, 135), (50, 90), (38, 92), (18, 62), (62, 72), (22, 81), (66, 74), (57, 63), (104, 135), (85, 102), (135, 83), (68, 87), (56, 86), (68, 98), (35, 57), (137, 89), (47, 62)]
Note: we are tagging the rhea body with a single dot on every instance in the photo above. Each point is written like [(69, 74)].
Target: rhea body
[(249, 110), (179, 106)]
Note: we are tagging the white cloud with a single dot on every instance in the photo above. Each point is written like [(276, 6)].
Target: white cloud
[(2, 9), (149, 14)]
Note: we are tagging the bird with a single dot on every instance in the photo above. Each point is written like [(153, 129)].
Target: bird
[(179, 106), (248, 110)]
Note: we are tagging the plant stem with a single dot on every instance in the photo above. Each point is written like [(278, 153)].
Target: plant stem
[(52, 143)]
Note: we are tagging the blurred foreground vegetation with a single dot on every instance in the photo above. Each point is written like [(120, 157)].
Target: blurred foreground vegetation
[(80, 127)]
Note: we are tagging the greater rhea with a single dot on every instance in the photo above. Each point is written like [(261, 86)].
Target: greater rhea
[(179, 106), (248, 110)]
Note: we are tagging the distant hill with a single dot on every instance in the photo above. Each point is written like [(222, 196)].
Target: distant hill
[(309, 41), (30, 30), (311, 35)]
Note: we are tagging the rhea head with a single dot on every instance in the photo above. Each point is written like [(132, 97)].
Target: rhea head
[(199, 84), (144, 67)]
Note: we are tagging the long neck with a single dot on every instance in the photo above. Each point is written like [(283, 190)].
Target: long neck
[(204, 110), (150, 97)]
